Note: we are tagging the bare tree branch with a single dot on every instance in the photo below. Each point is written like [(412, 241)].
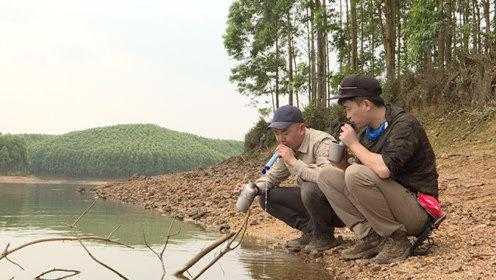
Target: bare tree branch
[(84, 213), (228, 247), (74, 273), (8, 252), (101, 263), (112, 232), (160, 255), (233, 236), (203, 252), (169, 235), (11, 261)]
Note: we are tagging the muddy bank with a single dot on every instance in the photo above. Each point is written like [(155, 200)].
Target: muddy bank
[(465, 244)]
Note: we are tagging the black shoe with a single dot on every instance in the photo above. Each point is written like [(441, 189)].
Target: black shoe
[(321, 243), (364, 248), (297, 244)]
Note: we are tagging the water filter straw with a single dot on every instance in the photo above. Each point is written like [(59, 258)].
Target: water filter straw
[(269, 163)]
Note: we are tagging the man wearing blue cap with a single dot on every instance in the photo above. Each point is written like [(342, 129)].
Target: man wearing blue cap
[(303, 152)]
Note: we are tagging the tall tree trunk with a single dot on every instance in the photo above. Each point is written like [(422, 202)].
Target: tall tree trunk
[(313, 60), (494, 17), (290, 61), (389, 38), (487, 19), (309, 52), (441, 36), (347, 33), (295, 92), (327, 62), (450, 29), (398, 48), (476, 26), (321, 67), (277, 71), (361, 58), (341, 27), (354, 59), (373, 39), (465, 14)]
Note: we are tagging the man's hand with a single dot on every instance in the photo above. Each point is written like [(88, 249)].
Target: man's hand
[(237, 189), (348, 135), (287, 154)]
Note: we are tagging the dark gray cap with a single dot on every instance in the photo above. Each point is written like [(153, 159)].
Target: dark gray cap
[(358, 86), (286, 115)]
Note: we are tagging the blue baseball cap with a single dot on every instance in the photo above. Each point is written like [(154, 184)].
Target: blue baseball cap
[(285, 116)]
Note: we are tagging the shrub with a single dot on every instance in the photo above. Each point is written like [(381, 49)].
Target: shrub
[(326, 119), (259, 137)]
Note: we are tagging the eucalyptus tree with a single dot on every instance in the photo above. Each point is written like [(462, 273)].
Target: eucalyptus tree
[(255, 36)]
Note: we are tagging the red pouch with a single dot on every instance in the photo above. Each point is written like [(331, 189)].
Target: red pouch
[(431, 205)]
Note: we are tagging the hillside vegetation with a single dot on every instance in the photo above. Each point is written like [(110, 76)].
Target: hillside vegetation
[(123, 150)]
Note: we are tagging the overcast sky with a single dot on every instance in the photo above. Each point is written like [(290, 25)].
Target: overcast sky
[(75, 64)]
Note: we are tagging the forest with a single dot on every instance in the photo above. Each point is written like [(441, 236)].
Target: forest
[(424, 52), (109, 152)]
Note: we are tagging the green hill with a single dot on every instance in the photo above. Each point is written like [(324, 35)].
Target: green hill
[(123, 150)]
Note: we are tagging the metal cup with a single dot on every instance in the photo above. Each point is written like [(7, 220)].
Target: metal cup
[(246, 196), (336, 152)]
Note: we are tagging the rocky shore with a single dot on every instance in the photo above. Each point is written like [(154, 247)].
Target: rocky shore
[(465, 244)]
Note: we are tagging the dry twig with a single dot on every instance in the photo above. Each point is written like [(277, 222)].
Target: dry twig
[(73, 273), (84, 213), (114, 230), (160, 255), (101, 263), (11, 261)]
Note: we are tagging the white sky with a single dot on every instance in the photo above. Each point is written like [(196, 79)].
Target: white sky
[(75, 64)]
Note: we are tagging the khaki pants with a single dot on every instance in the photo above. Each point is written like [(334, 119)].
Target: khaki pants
[(364, 201)]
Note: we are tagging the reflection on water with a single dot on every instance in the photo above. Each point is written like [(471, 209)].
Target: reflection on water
[(30, 212)]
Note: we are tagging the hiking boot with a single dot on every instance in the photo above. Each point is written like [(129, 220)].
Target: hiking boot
[(297, 244), (364, 248), (396, 248), (320, 243)]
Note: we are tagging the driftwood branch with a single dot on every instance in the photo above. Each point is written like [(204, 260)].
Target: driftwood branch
[(101, 263), (73, 273), (231, 236)]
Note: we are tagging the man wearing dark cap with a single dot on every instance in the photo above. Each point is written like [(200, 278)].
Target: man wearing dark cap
[(375, 196), (303, 152)]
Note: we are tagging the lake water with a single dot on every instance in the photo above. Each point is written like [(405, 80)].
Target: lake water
[(30, 212)]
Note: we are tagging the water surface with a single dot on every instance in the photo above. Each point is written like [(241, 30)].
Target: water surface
[(29, 212)]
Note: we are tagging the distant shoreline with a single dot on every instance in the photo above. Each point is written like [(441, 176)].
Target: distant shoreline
[(38, 180)]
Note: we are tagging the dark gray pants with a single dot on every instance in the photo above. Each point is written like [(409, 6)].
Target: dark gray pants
[(303, 207)]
